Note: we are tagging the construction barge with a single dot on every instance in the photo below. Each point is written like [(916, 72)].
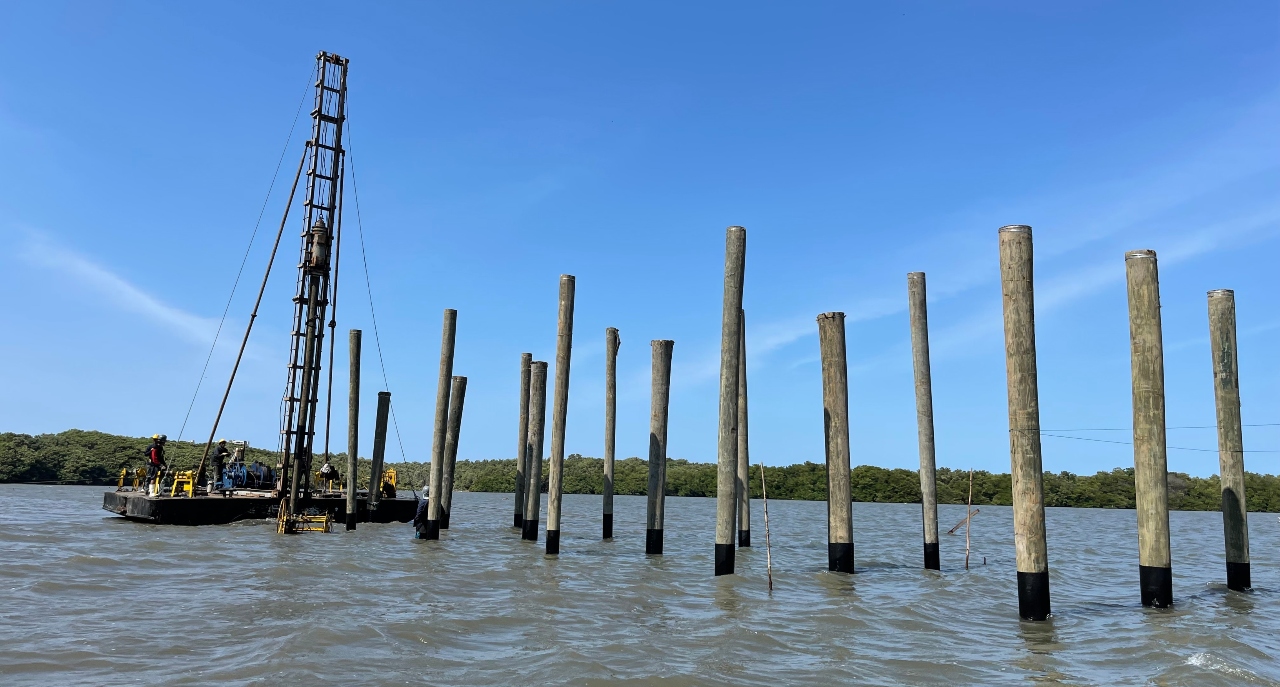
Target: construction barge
[(300, 498), (221, 510)]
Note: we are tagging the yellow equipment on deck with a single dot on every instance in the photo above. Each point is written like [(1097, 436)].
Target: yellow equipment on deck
[(186, 480), (124, 474), (331, 486)]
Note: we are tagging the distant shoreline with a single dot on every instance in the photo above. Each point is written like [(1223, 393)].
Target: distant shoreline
[(78, 457)]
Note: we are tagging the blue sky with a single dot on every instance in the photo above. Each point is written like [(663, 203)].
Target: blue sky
[(497, 146)]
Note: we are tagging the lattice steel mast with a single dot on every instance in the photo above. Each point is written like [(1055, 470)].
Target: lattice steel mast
[(322, 221)]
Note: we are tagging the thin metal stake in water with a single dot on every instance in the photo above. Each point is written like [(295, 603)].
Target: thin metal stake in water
[(768, 556), (967, 519)]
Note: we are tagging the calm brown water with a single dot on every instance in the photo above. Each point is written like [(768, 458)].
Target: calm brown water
[(94, 599)]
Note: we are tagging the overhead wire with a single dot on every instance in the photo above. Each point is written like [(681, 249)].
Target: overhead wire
[(373, 315), (243, 261), (1130, 443), (1129, 429), (1046, 433)]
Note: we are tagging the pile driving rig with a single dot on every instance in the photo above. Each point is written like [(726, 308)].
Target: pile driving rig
[(322, 222), (179, 498)]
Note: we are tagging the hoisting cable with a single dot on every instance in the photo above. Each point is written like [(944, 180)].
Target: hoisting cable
[(364, 259), (333, 302), (254, 315), (245, 259)]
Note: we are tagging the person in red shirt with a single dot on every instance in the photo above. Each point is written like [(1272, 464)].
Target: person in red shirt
[(154, 454)]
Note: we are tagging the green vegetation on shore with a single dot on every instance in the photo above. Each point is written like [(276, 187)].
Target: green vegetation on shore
[(96, 457)]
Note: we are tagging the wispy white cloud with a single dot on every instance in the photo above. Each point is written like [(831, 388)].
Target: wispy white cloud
[(694, 367), (702, 365), (1071, 286), (764, 339), (105, 284), (1127, 203), (1076, 256), (1079, 262), (1260, 329)]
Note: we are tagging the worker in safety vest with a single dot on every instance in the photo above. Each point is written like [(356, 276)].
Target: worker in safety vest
[(154, 454)]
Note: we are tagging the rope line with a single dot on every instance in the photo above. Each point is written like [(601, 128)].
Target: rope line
[(373, 315), (262, 211)]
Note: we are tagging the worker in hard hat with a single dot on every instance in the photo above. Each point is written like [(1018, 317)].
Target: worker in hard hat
[(154, 454), (220, 453)]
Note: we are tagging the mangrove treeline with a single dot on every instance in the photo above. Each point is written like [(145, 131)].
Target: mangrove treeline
[(77, 456)]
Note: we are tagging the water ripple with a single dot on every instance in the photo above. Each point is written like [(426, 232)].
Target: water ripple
[(94, 599)]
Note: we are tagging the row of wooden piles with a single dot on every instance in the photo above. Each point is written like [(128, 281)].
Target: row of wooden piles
[(733, 525), (1149, 447)]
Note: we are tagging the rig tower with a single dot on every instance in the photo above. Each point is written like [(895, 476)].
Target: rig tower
[(322, 225)]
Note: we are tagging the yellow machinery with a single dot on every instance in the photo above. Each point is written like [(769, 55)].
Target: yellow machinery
[(331, 486), (293, 524), (338, 486), (184, 480), (124, 474)]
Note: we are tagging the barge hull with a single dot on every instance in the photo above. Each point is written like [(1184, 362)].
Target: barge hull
[(220, 510)]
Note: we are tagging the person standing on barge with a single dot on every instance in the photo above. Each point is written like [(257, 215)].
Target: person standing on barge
[(155, 457), (220, 454)]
